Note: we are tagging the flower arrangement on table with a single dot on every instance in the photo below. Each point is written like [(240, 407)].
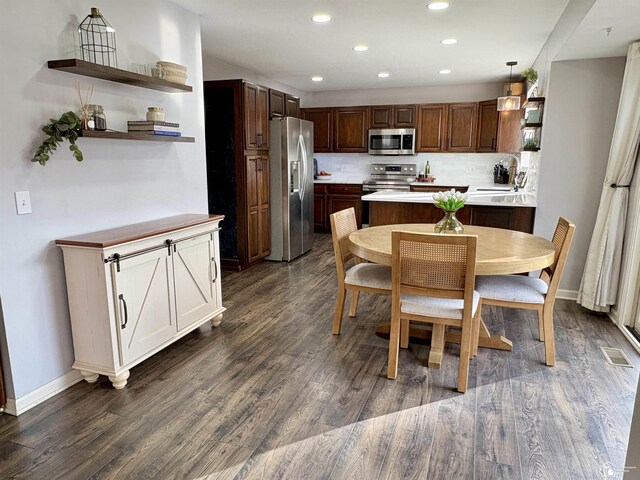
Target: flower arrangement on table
[(450, 202)]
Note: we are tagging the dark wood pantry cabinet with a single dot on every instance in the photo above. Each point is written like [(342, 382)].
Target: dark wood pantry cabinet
[(237, 148)]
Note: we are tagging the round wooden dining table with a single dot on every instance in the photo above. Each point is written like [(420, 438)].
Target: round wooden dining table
[(499, 252)]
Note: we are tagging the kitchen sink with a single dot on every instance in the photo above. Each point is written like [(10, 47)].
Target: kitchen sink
[(494, 189)]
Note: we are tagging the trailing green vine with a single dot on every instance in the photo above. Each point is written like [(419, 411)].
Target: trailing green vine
[(67, 127)]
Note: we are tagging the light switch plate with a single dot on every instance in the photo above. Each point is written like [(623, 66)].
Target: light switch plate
[(23, 203)]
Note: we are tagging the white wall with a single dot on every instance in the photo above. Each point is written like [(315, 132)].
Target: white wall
[(579, 118), (216, 69), (426, 94), (633, 452), (119, 182)]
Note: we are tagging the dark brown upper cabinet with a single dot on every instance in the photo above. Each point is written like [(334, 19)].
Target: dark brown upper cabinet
[(432, 122), (509, 130), (256, 117), (461, 127), (277, 103), (393, 116), (350, 129), (322, 119), (292, 106), (487, 126)]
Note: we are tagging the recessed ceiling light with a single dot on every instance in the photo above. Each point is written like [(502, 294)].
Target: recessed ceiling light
[(316, 78), (444, 71), (438, 5), (449, 41), (361, 48), (383, 74), (321, 18)]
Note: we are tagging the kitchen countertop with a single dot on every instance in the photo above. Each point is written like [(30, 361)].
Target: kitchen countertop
[(507, 199)]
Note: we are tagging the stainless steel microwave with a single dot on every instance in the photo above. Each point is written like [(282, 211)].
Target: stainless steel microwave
[(392, 141)]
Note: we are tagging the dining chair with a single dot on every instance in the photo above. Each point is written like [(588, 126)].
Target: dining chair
[(362, 276), (539, 294), (433, 279)]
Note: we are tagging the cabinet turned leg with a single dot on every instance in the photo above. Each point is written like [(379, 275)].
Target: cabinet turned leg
[(90, 377), (120, 381), (215, 321)]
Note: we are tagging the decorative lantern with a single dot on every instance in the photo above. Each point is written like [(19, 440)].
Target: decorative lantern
[(510, 102), (98, 40)]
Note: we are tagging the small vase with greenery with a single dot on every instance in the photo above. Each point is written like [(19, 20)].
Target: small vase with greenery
[(450, 202), (531, 75), (67, 127)]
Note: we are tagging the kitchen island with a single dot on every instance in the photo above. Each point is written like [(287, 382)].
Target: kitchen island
[(487, 208)]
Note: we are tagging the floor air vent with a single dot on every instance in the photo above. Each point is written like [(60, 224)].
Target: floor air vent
[(615, 356)]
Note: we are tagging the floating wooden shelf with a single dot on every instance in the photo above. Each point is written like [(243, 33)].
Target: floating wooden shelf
[(533, 101), (532, 125), (88, 69), (531, 149), (113, 135)]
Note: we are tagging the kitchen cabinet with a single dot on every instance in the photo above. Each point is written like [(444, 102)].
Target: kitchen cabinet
[(510, 218), (283, 104), (498, 131), (461, 127), (432, 123), (277, 104), (334, 197), (322, 119), (487, 126), (134, 290), (350, 129), (393, 116), (292, 106), (320, 214), (256, 117), (258, 207)]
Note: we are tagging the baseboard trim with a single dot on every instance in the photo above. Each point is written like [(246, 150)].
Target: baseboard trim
[(20, 405), (632, 340), (567, 294)]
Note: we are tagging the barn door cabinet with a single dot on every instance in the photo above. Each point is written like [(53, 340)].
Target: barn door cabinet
[(135, 290)]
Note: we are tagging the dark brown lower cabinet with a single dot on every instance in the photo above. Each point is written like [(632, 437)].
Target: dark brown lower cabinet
[(332, 198), (510, 218)]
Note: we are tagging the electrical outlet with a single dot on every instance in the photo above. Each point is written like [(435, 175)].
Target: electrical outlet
[(23, 203)]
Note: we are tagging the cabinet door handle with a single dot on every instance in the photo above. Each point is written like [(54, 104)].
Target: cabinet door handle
[(126, 313), (215, 269), (259, 139), (493, 143)]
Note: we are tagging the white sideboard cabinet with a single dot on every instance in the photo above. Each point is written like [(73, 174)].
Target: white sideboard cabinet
[(134, 290)]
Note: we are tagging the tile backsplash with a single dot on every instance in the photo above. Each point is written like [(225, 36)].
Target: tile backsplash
[(453, 168)]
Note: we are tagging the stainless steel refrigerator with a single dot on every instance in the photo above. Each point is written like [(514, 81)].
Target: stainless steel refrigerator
[(291, 177)]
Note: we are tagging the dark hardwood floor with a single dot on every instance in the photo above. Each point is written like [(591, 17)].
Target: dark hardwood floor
[(272, 394)]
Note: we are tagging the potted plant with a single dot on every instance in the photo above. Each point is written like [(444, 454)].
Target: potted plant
[(67, 127), (531, 77)]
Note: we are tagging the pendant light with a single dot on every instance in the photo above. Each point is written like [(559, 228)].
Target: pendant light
[(510, 102)]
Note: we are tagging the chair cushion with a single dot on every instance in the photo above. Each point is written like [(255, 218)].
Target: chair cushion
[(511, 288), (369, 275), (435, 307)]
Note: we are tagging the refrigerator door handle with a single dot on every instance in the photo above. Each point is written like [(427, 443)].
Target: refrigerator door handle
[(303, 183)]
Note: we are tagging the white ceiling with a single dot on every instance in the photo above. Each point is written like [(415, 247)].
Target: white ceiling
[(277, 39)]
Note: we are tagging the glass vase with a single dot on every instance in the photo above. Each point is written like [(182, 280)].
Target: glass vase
[(449, 224)]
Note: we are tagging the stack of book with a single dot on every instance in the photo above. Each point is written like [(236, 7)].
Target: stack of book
[(154, 128)]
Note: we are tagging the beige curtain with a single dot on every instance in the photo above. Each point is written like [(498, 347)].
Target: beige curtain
[(599, 286)]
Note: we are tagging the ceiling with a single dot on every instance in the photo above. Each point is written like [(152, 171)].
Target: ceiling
[(277, 39)]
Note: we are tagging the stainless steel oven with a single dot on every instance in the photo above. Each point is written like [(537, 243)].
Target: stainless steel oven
[(392, 141)]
